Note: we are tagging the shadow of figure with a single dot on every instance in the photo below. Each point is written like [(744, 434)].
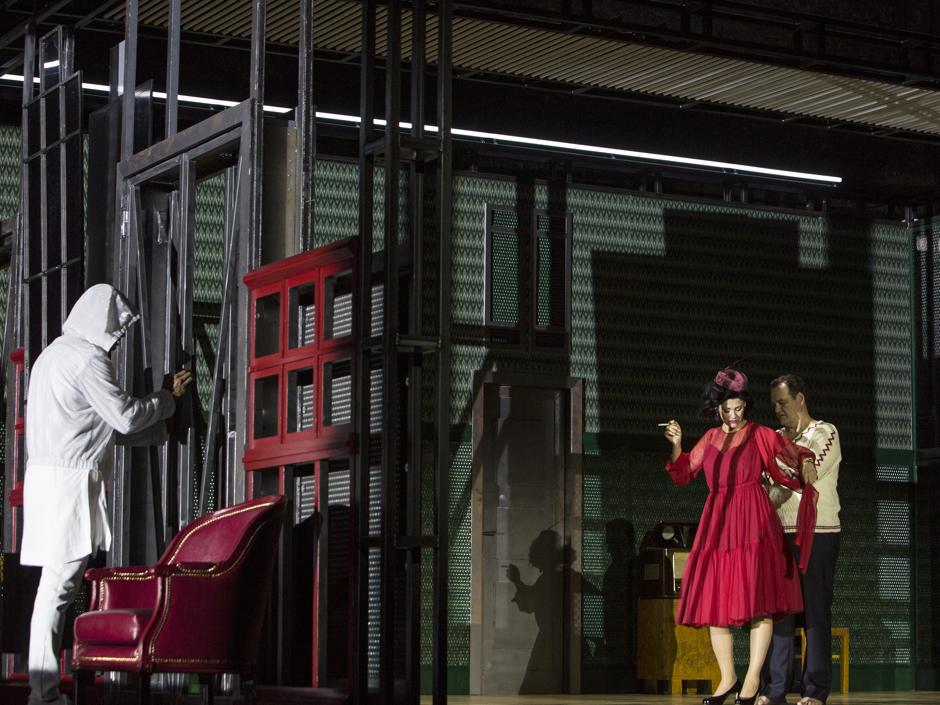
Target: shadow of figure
[(546, 599), (619, 596)]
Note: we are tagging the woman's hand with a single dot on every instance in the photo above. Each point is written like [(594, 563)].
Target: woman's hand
[(512, 572), (673, 433)]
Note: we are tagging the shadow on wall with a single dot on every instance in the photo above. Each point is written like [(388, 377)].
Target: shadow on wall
[(618, 589), (553, 560)]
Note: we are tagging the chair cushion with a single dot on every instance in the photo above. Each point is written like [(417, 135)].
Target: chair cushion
[(111, 626)]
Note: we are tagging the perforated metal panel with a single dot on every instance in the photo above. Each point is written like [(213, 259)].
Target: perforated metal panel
[(9, 171), (458, 594), (305, 488), (337, 203), (651, 278), (210, 240)]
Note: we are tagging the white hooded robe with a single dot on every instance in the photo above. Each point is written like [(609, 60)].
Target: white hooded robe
[(73, 409)]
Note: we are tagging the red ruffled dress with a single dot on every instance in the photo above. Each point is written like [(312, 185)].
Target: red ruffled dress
[(740, 567)]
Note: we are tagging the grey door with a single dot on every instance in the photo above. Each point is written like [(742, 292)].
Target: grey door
[(524, 564)]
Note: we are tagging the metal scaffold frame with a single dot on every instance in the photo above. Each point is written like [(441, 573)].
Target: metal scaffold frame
[(392, 557), (144, 220)]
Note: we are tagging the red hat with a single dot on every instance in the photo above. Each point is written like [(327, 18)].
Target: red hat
[(731, 379)]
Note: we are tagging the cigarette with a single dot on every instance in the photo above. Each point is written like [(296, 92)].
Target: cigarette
[(662, 424)]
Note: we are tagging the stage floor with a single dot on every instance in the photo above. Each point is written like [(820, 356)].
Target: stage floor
[(907, 698)]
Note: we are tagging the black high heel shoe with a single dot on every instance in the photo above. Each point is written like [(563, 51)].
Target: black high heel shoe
[(746, 701), (720, 698)]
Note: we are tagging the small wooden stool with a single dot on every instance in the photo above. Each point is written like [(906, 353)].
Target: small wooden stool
[(842, 656)]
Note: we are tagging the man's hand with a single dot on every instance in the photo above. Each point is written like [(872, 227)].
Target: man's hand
[(181, 380), (809, 472)]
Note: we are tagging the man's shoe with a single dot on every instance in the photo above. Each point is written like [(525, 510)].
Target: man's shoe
[(807, 700)]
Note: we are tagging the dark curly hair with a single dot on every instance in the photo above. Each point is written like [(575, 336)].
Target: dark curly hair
[(714, 395)]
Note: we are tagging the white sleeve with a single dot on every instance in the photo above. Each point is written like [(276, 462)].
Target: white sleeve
[(154, 435), (124, 413), (825, 443)]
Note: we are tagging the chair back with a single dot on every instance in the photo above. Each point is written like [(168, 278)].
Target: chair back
[(231, 603), (215, 537)]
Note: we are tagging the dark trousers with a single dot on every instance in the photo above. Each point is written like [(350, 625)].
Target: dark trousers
[(817, 623)]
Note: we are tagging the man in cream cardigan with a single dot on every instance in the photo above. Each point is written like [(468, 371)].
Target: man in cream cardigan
[(74, 411), (788, 396)]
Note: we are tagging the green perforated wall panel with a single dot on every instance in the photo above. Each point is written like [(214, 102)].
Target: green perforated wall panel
[(9, 197), (210, 241), (9, 171), (663, 293), (336, 203)]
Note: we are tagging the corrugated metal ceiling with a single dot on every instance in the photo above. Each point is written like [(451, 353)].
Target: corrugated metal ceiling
[(585, 61)]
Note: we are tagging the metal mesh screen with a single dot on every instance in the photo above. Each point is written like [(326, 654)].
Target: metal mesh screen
[(504, 261), (649, 279)]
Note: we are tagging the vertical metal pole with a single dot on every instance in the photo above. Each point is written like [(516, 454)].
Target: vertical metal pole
[(390, 429), (359, 657), (172, 67), (306, 119), (231, 406), (255, 149), (415, 445), (226, 322), (26, 226), (184, 229), (442, 461), (13, 340), (130, 77), (142, 303), (126, 282), (930, 325), (125, 278), (17, 323)]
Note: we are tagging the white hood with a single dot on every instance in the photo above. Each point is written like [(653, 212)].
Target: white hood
[(101, 316)]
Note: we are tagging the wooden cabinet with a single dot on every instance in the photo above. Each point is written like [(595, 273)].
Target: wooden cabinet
[(670, 653)]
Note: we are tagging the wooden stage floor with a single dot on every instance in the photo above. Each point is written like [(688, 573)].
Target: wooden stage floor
[(903, 698)]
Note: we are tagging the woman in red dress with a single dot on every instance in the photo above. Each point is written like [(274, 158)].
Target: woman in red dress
[(740, 571)]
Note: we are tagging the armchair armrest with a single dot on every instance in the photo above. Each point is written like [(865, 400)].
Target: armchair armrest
[(93, 574), (126, 587)]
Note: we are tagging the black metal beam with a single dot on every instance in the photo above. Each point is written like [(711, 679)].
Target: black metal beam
[(255, 147), (129, 79), (359, 660), (391, 461), (443, 454), (233, 230), (172, 68), (415, 444), (39, 16), (306, 121)]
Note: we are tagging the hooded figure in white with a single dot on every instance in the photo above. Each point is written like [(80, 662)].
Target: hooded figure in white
[(74, 410)]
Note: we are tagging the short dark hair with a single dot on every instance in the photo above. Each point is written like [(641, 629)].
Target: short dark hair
[(714, 395), (795, 384)]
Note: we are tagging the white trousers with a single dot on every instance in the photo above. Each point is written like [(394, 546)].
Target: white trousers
[(58, 587)]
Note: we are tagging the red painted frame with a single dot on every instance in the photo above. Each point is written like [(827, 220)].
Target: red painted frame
[(320, 442)]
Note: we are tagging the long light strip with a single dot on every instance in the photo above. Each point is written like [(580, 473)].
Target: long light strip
[(496, 137), (195, 100)]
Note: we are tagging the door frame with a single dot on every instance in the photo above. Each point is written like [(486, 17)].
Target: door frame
[(573, 389)]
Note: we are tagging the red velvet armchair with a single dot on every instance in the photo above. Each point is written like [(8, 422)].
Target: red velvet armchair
[(198, 610)]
